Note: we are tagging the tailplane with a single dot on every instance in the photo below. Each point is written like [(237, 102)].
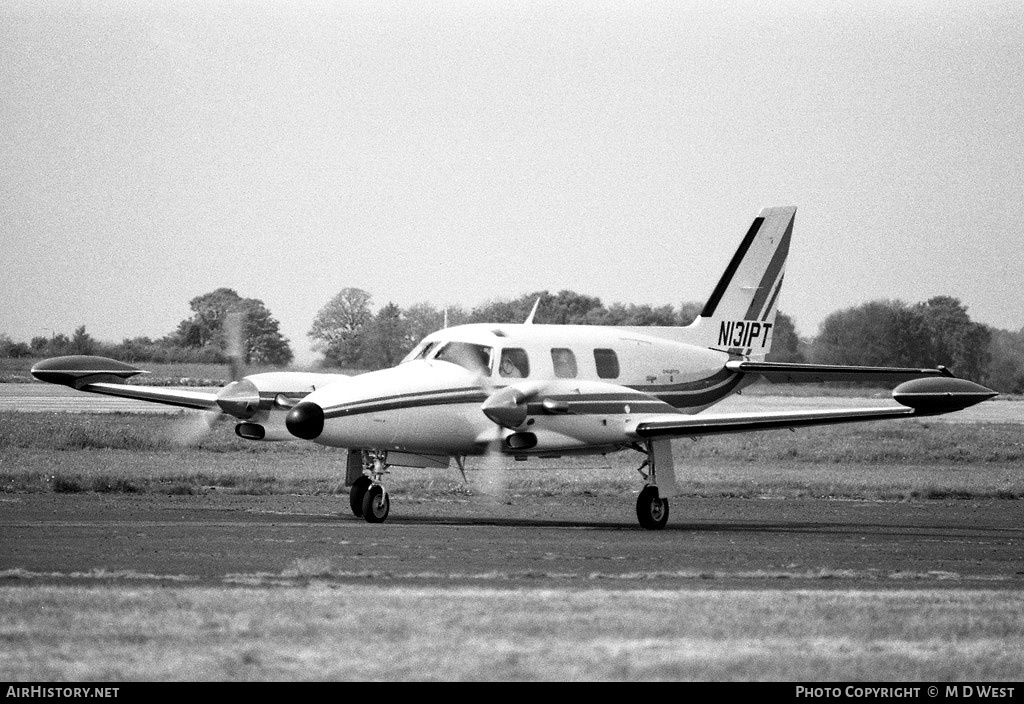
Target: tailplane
[(739, 317)]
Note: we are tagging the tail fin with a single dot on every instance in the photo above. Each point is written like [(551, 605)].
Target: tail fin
[(740, 315)]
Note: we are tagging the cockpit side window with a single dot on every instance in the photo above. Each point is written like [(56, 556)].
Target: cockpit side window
[(475, 358), (514, 363), (564, 362)]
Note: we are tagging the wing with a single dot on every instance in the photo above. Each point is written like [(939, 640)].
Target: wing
[(243, 399), (929, 396), (108, 376), (183, 398)]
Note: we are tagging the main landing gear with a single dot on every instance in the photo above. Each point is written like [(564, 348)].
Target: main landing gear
[(651, 507), (367, 497)]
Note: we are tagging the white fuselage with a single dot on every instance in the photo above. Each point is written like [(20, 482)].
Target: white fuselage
[(582, 387)]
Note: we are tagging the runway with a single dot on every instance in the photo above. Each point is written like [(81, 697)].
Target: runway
[(50, 398), (536, 541)]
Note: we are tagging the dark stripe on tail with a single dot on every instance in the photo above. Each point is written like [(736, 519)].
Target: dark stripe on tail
[(771, 303), (771, 273), (723, 283)]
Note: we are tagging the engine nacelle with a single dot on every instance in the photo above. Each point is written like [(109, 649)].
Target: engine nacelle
[(266, 426)]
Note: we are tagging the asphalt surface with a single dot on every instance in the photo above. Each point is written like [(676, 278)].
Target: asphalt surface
[(538, 541)]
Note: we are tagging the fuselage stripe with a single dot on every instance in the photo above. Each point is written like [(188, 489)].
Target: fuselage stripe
[(424, 398), (701, 398), (646, 399)]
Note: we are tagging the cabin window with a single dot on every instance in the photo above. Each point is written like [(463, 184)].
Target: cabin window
[(514, 363), (475, 358), (607, 363), (564, 362)]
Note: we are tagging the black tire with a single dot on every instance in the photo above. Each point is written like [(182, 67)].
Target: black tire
[(356, 494), (376, 504), (651, 509)]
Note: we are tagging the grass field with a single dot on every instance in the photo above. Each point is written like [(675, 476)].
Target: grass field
[(320, 629), (354, 632)]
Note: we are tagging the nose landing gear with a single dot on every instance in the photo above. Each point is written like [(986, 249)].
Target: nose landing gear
[(376, 504)]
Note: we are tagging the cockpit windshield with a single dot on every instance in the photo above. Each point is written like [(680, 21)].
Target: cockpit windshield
[(475, 358), (420, 351)]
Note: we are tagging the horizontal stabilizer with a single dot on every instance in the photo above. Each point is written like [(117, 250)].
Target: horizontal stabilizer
[(919, 397), (785, 372), (681, 426)]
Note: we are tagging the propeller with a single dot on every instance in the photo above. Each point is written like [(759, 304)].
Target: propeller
[(490, 482), (193, 427), (234, 323), (238, 399), (506, 408)]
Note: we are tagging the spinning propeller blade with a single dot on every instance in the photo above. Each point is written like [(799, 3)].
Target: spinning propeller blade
[(239, 398), (490, 481)]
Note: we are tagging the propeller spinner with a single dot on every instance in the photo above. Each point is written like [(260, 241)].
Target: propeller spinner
[(240, 399), (507, 407)]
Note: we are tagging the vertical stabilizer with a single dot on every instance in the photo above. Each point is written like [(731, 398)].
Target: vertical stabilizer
[(740, 314)]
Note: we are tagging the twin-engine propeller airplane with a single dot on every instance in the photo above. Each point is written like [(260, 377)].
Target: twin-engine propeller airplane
[(531, 390)]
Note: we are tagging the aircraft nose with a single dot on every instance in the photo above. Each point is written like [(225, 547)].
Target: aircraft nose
[(305, 421)]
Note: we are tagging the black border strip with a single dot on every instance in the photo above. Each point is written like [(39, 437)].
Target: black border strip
[(730, 271), (775, 266)]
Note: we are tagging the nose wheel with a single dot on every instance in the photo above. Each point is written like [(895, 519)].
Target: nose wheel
[(356, 494), (376, 504)]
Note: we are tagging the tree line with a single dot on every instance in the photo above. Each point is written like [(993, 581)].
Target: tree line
[(350, 334), (938, 332), (204, 337)]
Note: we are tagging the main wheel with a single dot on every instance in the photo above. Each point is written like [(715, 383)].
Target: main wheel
[(651, 509), (356, 494), (376, 504)]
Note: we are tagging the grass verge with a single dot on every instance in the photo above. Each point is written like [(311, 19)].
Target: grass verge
[(172, 633)]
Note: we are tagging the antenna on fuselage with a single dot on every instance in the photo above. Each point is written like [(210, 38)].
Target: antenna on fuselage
[(446, 318), (529, 318)]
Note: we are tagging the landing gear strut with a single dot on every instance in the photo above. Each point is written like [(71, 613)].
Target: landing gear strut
[(367, 497), (651, 508)]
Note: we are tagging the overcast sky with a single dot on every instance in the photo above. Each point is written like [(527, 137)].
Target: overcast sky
[(457, 152)]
